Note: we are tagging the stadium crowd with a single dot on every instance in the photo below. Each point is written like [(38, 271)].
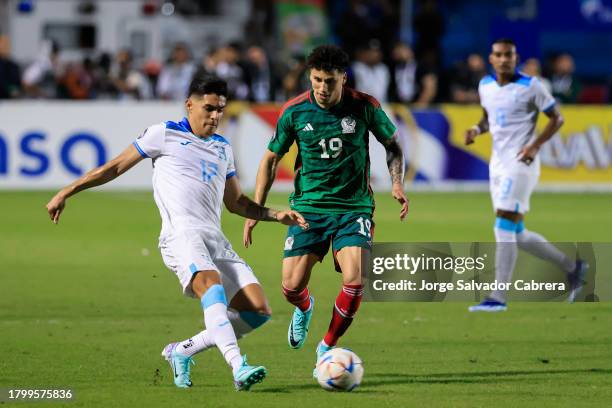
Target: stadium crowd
[(253, 75), (258, 71)]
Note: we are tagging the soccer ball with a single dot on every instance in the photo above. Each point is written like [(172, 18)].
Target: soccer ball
[(339, 369)]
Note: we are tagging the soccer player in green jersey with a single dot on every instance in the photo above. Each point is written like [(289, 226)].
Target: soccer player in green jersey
[(330, 124)]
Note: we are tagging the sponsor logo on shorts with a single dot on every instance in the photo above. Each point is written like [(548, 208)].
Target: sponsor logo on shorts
[(289, 244)]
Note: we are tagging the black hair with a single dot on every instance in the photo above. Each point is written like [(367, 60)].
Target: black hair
[(508, 41), (203, 84), (328, 58)]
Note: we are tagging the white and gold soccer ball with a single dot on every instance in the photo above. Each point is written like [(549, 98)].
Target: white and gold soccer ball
[(339, 369)]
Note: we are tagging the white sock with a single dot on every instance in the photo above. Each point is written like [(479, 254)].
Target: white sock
[(219, 327), (505, 256), (537, 245), (242, 322), (200, 342)]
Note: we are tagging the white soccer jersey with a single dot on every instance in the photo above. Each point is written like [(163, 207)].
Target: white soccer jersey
[(513, 111), (189, 175)]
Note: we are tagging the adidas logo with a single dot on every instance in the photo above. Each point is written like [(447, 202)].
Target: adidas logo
[(308, 128)]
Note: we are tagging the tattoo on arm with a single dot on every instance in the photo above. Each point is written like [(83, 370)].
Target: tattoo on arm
[(395, 160)]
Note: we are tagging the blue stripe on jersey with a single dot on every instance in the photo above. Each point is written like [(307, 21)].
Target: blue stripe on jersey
[(522, 79), (142, 153), (219, 138), (520, 227), (549, 107), (487, 79), (176, 126), (214, 294), (193, 268), (505, 224), (230, 175), (185, 123)]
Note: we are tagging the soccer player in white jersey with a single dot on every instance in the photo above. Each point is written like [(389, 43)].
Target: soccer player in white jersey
[(193, 173), (511, 103)]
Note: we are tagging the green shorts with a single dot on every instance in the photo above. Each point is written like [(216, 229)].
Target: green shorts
[(341, 230)]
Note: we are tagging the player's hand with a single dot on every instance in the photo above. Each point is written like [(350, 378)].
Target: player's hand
[(247, 233), (470, 135), (291, 218), (56, 206), (528, 153), (398, 194)]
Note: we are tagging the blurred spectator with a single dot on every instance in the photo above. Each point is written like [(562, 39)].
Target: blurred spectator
[(296, 79), (230, 68), (411, 82), (367, 19), (565, 87), (225, 63), (429, 27), (532, 68), (10, 74), (129, 82), (260, 78), (464, 86), (76, 81), (40, 78), (103, 87), (174, 79), (403, 86), (151, 69), (370, 73)]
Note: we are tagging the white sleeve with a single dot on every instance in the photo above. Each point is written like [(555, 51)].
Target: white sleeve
[(543, 100), (150, 144), (231, 167)]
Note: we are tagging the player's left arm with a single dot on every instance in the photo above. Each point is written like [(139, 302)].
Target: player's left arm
[(238, 203), (555, 121), (387, 134), (395, 163)]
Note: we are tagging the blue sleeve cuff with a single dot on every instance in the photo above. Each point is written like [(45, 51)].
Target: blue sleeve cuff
[(549, 107), (142, 153), (230, 175)]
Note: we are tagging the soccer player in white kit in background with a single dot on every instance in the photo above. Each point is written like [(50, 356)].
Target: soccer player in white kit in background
[(511, 103), (193, 173)]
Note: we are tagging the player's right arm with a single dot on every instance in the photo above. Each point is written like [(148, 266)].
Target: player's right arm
[(96, 177), (279, 145), (265, 177), (481, 127)]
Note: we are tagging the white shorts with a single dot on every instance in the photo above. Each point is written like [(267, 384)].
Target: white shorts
[(511, 190), (187, 252)]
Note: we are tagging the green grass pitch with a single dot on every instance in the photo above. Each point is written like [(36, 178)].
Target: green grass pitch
[(88, 304)]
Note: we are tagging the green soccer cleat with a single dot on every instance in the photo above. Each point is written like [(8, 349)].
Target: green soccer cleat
[(298, 327), (248, 375), (321, 349), (181, 365)]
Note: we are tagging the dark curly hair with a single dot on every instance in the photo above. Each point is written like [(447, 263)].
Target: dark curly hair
[(328, 58), (203, 84)]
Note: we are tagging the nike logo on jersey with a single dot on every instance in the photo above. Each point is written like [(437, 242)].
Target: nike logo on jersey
[(185, 143), (308, 128)]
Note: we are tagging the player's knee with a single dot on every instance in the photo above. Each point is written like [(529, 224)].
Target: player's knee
[(291, 286)]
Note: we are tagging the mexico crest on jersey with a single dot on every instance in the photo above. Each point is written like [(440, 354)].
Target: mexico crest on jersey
[(348, 124)]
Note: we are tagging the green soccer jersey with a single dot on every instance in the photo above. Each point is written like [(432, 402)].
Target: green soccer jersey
[(332, 169)]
